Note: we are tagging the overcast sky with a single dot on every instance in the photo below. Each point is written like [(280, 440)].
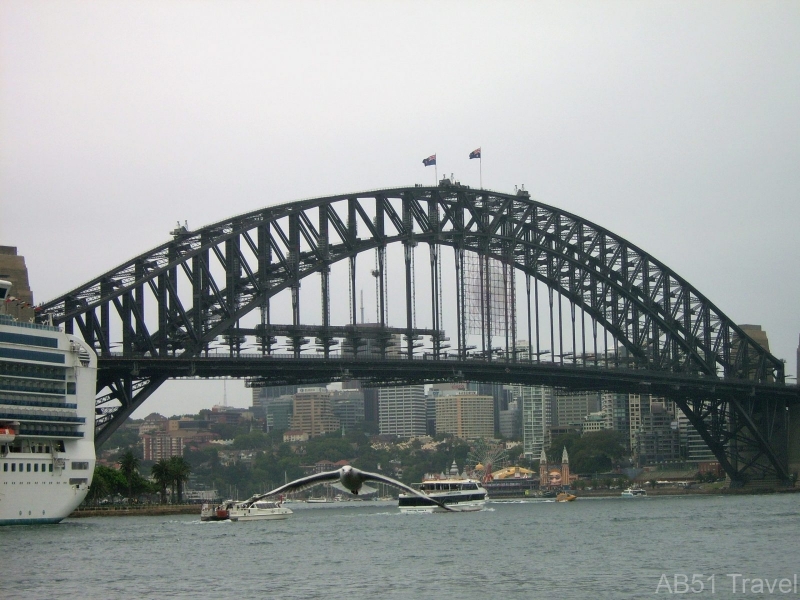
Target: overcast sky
[(673, 124)]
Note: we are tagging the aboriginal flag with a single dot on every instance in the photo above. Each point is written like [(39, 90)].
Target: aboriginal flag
[(475, 153), (431, 160)]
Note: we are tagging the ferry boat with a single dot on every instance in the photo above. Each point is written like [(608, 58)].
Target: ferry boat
[(47, 392), (260, 510), (461, 495), (633, 492)]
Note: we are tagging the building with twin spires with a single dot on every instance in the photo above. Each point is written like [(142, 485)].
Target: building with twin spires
[(554, 477)]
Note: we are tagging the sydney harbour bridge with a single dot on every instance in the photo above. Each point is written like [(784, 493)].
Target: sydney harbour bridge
[(463, 284)]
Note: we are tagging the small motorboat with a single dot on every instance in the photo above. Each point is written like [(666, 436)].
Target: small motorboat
[(261, 510), (634, 492), (220, 512), (565, 497)]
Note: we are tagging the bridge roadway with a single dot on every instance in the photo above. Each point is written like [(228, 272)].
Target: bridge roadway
[(287, 369)]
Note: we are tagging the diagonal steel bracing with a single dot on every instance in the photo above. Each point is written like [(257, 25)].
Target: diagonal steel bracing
[(605, 304)]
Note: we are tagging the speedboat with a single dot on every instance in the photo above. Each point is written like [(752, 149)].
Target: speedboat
[(565, 497), (460, 495), (261, 510), (633, 492)]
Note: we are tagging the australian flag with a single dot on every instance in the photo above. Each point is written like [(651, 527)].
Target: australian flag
[(431, 160), (475, 153)]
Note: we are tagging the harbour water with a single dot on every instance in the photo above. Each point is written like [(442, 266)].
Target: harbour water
[(592, 548)]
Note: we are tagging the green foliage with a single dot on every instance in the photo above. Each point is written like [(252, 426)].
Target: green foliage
[(106, 482), (596, 452), (253, 440), (125, 438)]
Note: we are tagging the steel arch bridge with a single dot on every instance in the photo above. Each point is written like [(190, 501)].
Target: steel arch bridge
[(601, 314)]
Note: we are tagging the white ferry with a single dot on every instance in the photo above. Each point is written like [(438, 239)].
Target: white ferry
[(633, 492), (47, 392), (460, 495)]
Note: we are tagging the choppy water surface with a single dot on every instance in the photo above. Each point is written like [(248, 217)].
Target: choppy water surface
[(590, 548)]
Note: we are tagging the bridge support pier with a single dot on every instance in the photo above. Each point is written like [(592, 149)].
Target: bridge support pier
[(794, 441)]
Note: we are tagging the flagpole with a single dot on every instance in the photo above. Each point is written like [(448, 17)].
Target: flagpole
[(480, 167), (435, 170)]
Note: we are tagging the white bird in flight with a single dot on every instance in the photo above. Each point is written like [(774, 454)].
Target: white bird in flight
[(349, 477)]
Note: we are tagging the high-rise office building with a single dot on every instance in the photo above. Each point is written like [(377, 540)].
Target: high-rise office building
[(616, 411), (402, 411), (571, 408), (263, 396), (348, 407), (467, 416), (654, 432), (510, 421), (313, 412), (279, 413), (536, 404)]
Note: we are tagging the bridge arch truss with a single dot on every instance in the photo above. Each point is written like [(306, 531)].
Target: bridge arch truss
[(591, 299)]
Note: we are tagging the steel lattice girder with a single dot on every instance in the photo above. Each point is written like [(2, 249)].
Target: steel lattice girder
[(665, 323)]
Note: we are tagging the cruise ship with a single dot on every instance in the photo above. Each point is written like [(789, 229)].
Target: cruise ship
[(47, 392)]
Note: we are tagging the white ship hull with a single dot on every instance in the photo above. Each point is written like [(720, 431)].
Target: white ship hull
[(47, 391), (459, 495)]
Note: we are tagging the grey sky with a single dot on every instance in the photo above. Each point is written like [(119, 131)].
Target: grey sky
[(673, 124)]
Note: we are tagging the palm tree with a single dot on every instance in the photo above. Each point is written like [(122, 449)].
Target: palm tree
[(162, 473), (180, 470), (129, 465)]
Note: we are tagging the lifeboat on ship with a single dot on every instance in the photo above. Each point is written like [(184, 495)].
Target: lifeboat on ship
[(7, 433)]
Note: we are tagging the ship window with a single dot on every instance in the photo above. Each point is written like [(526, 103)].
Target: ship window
[(50, 467), (77, 480), (80, 466), (13, 467), (5, 466), (36, 468), (21, 467), (29, 468)]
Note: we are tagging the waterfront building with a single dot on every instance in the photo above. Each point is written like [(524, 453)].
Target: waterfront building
[(465, 415), (312, 412), (402, 411)]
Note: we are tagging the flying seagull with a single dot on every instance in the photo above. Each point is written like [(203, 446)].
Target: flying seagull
[(349, 477)]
